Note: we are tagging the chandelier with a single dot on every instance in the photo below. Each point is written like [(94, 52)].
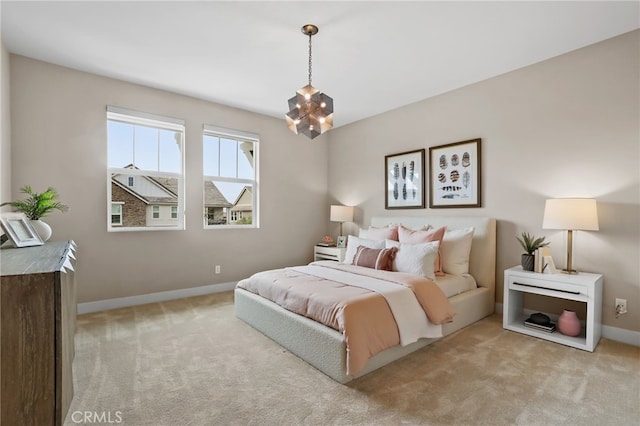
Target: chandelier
[(310, 111)]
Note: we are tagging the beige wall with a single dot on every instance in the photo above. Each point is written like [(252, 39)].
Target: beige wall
[(5, 128), (568, 126), (564, 127), (59, 138)]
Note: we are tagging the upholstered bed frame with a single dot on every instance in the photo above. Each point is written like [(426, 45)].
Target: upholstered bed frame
[(325, 348)]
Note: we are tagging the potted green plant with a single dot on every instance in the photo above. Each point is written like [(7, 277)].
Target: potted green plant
[(530, 244), (36, 206)]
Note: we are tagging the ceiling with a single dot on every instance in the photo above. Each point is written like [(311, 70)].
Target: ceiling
[(371, 57)]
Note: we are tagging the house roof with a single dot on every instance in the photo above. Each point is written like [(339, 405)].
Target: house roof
[(213, 197), (167, 185), (237, 206)]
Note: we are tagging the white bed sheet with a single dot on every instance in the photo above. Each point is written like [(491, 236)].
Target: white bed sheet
[(452, 285)]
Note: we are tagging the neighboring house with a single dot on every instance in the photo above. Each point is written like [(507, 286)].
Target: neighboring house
[(143, 201), (215, 205), (242, 210)]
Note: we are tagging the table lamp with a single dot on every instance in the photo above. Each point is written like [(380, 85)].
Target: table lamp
[(572, 214), (341, 214)]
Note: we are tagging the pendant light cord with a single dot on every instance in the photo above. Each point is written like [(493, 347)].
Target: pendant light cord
[(310, 59)]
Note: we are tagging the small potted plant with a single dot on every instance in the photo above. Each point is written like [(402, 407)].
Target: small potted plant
[(530, 244), (37, 206)]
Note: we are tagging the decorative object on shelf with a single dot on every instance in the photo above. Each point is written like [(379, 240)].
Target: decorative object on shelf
[(42, 228), (568, 323), (310, 111), (570, 214), (341, 214), (530, 244), (404, 180), (454, 177), (36, 206), (549, 265), (19, 230), (540, 321), (542, 256), (342, 241), (539, 318), (326, 241)]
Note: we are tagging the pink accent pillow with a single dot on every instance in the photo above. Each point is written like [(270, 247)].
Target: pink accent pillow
[(375, 258), (409, 236), (388, 233)]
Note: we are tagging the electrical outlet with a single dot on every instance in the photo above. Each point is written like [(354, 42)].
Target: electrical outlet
[(621, 306), (218, 270)]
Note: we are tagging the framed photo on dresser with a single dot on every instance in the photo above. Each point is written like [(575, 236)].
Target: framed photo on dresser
[(19, 230)]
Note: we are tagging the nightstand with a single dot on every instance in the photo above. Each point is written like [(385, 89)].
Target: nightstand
[(583, 287), (329, 253)]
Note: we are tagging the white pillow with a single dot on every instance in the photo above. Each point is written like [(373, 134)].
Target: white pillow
[(390, 232), (455, 250), (415, 259), (354, 242)]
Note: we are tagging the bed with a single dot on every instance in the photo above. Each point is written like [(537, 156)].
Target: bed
[(325, 348)]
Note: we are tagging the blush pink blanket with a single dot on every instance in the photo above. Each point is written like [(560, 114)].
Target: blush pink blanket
[(361, 315)]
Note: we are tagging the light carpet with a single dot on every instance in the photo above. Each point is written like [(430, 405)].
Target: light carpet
[(192, 362)]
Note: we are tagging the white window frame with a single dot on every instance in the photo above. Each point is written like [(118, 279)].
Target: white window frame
[(241, 136), (152, 120), (119, 204), (155, 212), (174, 212)]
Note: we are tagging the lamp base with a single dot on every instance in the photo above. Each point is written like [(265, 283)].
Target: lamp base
[(569, 271)]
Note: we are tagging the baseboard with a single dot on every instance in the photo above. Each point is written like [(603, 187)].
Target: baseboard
[(622, 335), (122, 302)]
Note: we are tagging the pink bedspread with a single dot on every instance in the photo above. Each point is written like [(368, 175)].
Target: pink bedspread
[(363, 316)]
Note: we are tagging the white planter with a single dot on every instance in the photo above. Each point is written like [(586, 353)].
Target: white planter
[(42, 228)]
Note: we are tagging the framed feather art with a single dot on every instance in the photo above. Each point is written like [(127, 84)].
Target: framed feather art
[(454, 175), (404, 180)]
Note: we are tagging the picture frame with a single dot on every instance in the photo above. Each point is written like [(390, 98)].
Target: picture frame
[(342, 241), (404, 180), (455, 175), (19, 230)]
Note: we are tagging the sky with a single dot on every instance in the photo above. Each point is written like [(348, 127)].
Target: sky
[(158, 150)]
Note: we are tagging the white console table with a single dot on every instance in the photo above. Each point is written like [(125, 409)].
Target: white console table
[(583, 287)]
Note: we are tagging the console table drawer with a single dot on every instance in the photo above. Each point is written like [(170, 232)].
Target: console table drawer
[(542, 286)]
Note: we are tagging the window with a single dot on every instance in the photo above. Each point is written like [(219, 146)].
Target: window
[(230, 164), (145, 175), (116, 214)]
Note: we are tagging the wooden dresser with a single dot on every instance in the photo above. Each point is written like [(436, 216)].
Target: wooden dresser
[(37, 329)]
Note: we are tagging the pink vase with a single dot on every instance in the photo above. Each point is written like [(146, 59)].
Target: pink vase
[(568, 323)]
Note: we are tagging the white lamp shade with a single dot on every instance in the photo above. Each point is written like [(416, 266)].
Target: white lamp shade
[(571, 214), (341, 214)]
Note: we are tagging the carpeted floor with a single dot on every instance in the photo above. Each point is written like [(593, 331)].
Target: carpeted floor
[(191, 362)]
